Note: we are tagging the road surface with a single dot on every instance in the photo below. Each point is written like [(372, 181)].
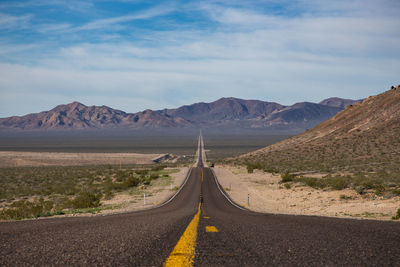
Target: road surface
[(200, 227)]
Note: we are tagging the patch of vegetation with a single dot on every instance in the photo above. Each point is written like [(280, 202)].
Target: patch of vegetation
[(31, 192), (381, 183), (397, 216), (86, 199), (287, 177), (344, 197), (287, 185)]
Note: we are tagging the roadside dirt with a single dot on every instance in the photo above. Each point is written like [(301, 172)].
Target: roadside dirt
[(267, 195), (18, 159)]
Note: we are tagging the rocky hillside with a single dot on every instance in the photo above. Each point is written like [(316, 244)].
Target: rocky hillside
[(225, 113), (363, 137)]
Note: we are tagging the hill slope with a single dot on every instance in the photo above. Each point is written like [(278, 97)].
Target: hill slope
[(363, 137)]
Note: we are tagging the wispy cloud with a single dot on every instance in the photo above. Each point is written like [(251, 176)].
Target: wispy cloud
[(77, 6), (145, 14), (14, 22)]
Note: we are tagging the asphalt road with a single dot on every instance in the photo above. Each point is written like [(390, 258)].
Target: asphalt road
[(235, 237)]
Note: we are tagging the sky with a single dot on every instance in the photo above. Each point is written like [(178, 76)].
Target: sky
[(134, 55)]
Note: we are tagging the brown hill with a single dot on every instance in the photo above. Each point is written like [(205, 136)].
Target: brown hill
[(363, 137)]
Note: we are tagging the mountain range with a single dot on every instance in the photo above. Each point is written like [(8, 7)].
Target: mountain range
[(224, 113), (363, 137)]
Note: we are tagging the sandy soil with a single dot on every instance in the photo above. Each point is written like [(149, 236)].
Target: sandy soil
[(156, 194), (267, 195), (13, 159)]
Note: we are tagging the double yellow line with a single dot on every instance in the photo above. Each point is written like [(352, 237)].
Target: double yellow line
[(184, 250)]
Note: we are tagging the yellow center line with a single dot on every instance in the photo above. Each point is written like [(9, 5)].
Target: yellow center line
[(184, 250), (183, 253), (211, 229)]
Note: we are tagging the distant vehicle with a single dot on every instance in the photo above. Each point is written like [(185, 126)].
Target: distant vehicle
[(212, 165)]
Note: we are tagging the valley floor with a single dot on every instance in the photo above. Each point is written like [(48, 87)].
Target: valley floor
[(266, 194)]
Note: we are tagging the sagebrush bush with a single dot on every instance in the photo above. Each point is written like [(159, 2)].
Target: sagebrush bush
[(287, 177), (86, 199)]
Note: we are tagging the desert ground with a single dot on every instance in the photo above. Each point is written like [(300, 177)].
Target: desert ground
[(266, 194), (19, 159)]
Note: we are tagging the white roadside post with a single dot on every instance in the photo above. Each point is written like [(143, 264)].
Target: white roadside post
[(144, 198), (248, 199)]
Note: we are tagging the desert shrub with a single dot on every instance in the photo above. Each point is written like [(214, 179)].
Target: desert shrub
[(270, 169), (158, 168), (397, 216), (339, 182), (344, 197), (287, 185), (253, 166), (396, 192), (108, 194), (122, 175), (287, 177), (379, 189), (250, 169), (360, 190), (147, 181), (154, 176), (311, 182), (131, 182), (86, 199), (142, 172)]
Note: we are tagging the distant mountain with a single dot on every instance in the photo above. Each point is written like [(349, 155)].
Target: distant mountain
[(77, 116), (225, 109), (364, 136), (224, 113), (338, 102), (239, 113)]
